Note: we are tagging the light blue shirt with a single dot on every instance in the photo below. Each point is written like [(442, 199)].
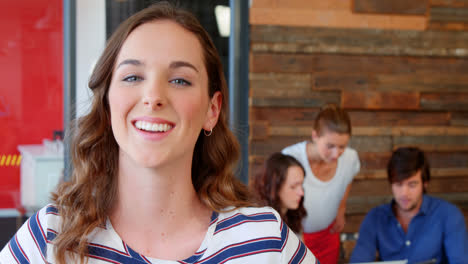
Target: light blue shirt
[(437, 232)]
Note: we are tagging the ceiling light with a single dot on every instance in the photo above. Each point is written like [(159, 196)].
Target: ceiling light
[(223, 19)]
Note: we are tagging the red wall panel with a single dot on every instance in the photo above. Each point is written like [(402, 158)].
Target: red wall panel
[(31, 83)]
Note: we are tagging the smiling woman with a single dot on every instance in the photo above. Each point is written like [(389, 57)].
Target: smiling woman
[(162, 89), (148, 185)]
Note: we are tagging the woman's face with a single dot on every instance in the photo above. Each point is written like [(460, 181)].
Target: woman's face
[(291, 192), (330, 145), (158, 95)]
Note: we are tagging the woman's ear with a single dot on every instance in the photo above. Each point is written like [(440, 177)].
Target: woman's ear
[(213, 111), (315, 136)]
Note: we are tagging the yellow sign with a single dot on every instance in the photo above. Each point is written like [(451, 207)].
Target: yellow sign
[(10, 160)]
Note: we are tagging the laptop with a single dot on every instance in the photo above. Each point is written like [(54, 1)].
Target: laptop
[(405, 261)]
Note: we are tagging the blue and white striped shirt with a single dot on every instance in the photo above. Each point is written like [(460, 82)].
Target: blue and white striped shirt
[(244, 235)]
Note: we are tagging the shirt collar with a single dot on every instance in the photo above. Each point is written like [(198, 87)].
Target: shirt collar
[(425, 205), (389, 209)]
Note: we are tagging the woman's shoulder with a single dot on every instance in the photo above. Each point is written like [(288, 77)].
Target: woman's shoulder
[(248, 231), (247, 214), (350, 153), (349, 162), (45, 222), (349, 156), (32, 240), (247, 223), (297, 148)]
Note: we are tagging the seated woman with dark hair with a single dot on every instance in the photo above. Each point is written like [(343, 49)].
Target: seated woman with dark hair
[(280, 186)]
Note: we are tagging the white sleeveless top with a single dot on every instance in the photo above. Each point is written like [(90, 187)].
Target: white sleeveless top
[(322, 199)]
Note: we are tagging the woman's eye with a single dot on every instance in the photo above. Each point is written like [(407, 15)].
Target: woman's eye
[(180, 82), (132, 78)]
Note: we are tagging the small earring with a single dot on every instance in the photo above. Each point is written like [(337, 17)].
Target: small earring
[(208, 133)]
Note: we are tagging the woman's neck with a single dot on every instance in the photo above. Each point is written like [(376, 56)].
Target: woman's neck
[(159, 207), (283, 211), (312, 153), (155, 193)]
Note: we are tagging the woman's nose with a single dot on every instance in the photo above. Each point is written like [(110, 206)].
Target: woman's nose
[(152, 103), (335, 153), (154, 96), (301, 192)]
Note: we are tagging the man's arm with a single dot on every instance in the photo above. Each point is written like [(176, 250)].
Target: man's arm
[(456, 237), (366, 245)]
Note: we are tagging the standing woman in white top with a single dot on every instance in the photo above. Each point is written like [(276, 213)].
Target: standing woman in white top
[(153, 162), (330, 166)]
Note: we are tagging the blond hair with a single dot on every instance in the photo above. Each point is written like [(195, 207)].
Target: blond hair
[(332, 118)]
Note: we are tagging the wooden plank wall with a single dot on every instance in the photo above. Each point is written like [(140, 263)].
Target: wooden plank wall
[(329, 13), (448, 15), (403, 79)]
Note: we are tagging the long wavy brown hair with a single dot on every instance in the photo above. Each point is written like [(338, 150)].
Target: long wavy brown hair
[(267, 184), (84, 202)]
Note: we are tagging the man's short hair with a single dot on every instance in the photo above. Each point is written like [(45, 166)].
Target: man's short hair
[(405, 162)]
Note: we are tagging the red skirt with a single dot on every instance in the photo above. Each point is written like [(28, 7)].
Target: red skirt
[(324, 245)]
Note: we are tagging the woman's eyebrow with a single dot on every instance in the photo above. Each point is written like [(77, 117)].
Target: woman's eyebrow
[(178, 64), (173, 65), (131, 62)]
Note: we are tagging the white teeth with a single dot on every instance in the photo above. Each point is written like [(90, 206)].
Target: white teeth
[(147, 126)]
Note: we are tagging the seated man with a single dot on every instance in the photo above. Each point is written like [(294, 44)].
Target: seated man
[(414, 226)]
